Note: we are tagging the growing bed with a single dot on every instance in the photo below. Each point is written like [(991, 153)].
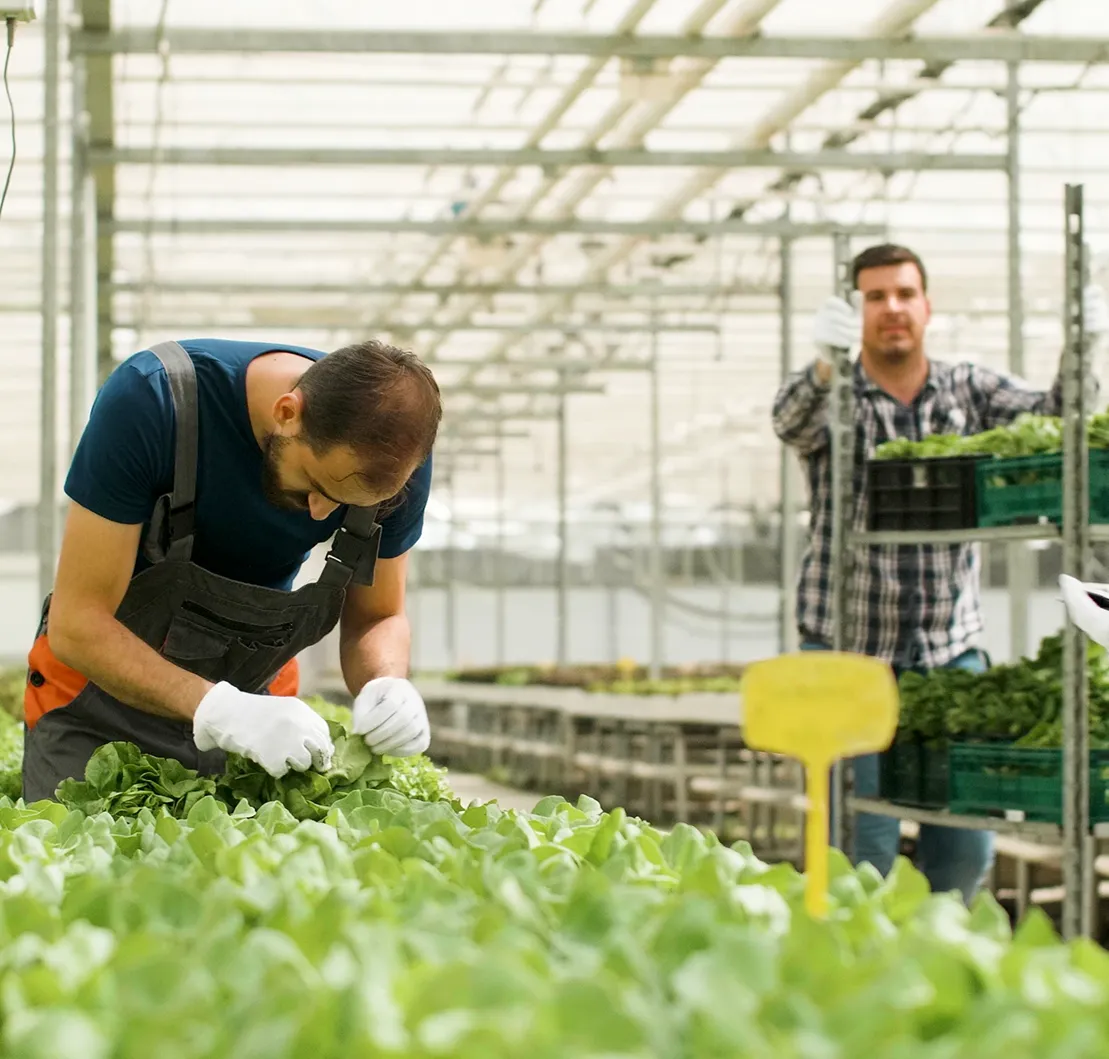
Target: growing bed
[(367, 912)]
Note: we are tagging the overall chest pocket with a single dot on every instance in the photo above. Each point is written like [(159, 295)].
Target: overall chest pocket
[(216, 647)]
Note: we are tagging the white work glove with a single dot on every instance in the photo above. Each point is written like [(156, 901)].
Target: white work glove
[(277, 732), (1095, 311), (1092, 619), (837, 325), (390, 715)]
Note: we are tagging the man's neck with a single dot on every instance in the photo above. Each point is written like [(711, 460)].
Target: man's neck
[(904, 381)]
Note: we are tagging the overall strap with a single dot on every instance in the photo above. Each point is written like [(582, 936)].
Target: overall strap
[(173, 522), (353, 553)]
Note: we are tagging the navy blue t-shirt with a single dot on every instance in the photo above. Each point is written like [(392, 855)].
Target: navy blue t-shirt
[(124, 462)]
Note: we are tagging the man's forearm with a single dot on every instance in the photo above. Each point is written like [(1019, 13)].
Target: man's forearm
[(114, 658), (1003, 397), (382, 649), (800, 412)]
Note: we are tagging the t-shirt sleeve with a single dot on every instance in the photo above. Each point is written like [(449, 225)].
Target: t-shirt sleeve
[(124, 460), (403, 526)]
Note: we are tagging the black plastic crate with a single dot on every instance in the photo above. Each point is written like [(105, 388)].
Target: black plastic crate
[(913, 773), (930, 494)]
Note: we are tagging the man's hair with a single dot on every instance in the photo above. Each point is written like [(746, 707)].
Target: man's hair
[(380, 401), (887, 254)]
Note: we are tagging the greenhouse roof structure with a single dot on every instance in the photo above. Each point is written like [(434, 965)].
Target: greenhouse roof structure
[(548, 200)]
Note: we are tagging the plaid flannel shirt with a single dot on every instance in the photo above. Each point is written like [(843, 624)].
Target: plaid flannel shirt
[(909, 605)]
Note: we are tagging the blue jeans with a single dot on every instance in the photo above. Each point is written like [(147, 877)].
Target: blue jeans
[(951, 858)]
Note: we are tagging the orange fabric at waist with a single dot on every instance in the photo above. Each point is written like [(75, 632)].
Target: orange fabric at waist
[(52, 684), (287, 681)]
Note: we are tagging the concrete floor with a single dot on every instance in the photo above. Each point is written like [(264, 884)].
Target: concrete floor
[(470, 787)]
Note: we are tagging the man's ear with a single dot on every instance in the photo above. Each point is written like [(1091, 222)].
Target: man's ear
[(287, 411)]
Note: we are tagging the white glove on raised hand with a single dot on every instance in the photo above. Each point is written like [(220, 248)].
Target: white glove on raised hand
[(277, 732), (390, 715), (837, 325), (1082, 609), (1095, 311)]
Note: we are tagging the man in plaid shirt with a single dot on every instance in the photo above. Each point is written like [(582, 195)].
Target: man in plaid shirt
[(916, 607)]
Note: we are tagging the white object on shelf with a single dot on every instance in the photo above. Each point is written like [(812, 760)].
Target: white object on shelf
[(1087, 607), (22, 11)]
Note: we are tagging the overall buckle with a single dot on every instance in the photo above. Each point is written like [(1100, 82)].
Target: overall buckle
[(356, 553)]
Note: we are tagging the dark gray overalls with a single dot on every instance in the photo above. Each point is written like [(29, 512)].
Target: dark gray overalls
[(213, 626)]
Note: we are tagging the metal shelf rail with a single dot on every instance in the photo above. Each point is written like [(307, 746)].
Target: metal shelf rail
[(1075, 534)]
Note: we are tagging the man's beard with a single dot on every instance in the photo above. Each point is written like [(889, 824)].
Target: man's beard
[(897, 350), (286, 499), (896, 354)]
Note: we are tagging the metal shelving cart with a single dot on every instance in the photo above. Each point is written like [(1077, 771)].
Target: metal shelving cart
[(1076, 836)]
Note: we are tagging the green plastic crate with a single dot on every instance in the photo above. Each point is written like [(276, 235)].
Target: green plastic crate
[(912, 773), (992, 779), (1028, 489)]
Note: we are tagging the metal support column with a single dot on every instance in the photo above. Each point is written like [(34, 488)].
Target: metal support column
[(622, 549), (787, 480), (414, 605), (450, 603), (719, 211), (841, 420), (658, 598), (48, 408), (1021, 560), (82, 265), (499, 566), (562, 632), (725, 566), (1077, 901)]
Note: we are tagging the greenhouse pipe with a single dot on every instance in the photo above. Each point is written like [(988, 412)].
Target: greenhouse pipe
[(658, 602), (489, 418), (1076, 547), (82, 264), (842, 424), (450, 597), (413, 605), (1020, 560), (48, 423), (788, 536), (613, 593), (632, 157), (478, 228), (742, 288), (499, 576), (999, 46), (495, 389), (725, 566), (480, 431), (567, 364), (465, 447), (395, 327), (562, 630)]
